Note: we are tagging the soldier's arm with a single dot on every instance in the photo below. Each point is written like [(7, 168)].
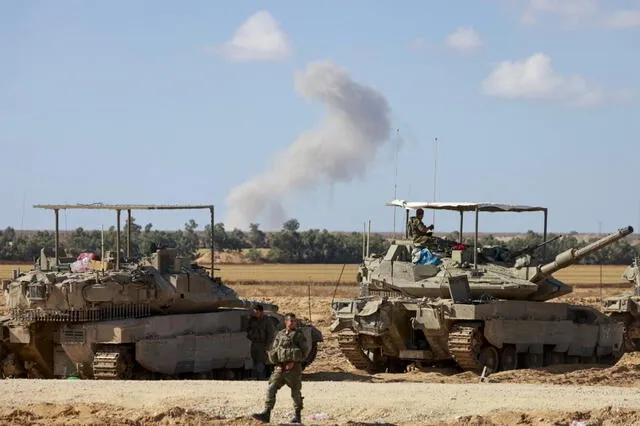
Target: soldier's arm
[(423, 228)]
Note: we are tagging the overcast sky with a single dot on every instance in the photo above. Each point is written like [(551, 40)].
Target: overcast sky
[(272, 110)]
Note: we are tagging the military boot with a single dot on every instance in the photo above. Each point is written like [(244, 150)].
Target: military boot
[(265, 416), (296, 417)]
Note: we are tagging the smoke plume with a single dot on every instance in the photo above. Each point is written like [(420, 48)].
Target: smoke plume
[(339, 149)]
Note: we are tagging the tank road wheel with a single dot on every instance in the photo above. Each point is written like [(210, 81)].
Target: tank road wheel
[(573, 359), (508, 358), (113, 363), (553, 358), (533, 360), (312, 355), (490, 358)]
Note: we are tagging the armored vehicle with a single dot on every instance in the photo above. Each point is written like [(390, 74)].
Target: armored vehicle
[(480, 307), (154, 317), (625, 307)]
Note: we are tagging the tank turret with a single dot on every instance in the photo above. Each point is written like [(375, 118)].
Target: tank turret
[(496, 274)]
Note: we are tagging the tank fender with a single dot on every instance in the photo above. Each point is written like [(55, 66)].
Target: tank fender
[(340, 324), (430, 320), (370, 308)]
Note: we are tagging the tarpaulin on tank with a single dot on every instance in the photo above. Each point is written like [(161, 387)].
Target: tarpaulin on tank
[(424, 257)]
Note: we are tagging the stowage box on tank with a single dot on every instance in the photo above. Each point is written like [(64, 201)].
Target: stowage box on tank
[(477, 306), (159, 316)]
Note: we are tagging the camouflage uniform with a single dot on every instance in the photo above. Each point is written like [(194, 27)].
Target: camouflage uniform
[(261, 332), (419, 232), (287, 347)]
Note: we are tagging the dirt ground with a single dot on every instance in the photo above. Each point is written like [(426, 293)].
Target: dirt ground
[(557, 395), (218, 402)]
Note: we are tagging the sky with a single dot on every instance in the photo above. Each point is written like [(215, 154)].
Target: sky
[(321, 111)]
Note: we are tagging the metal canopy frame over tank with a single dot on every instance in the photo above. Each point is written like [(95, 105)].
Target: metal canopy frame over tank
[(463, 207), (118, 208)]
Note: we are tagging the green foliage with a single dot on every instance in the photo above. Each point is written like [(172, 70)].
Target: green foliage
[(253, 255), (289, 245)]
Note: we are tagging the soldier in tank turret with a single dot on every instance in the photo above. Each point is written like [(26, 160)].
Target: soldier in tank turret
[(418, 231), (288, 352), (261, 332)]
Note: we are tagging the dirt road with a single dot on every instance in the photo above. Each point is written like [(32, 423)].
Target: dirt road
[(71, 401)]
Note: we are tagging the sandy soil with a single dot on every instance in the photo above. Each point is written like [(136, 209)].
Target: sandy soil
[(201, 402)]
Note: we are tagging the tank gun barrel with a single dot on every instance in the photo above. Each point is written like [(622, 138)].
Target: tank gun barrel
[(533, 247), (572, 255)]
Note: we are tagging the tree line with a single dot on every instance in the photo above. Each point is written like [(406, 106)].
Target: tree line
[(618, 253), (289, 245)]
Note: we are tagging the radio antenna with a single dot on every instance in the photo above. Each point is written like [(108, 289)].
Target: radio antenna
[(395, 179), (435, 174)]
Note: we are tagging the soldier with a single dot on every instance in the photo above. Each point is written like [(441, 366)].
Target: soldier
[(420, 233), (288, 352), (261, 332)]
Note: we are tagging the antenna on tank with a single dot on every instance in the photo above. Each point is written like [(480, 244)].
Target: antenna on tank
[(600, 236), (24, 200), (435, 174), (395, 179)]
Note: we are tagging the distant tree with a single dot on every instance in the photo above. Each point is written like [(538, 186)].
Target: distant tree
[(188, 240), (257, 238), (291, 225), (253, 255)]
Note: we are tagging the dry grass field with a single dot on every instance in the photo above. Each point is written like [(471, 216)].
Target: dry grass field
[(319, 273), (581, 275), (5, 269)]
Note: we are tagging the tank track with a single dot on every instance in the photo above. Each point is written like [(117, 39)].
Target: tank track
[(350, 348), (464, 345), (112, 364)]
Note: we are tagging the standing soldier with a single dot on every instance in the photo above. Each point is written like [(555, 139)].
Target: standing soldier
[(288, 352), (260, 332)]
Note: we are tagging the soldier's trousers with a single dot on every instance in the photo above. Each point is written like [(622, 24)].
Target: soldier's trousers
[(291, 378), (259, 357)]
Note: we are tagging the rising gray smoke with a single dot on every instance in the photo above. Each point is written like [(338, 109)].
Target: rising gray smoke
[(339, 149)]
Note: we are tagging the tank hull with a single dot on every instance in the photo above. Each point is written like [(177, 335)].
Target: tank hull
[(206, 345), (379, 334)]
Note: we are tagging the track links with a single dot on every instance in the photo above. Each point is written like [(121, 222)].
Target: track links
[(350, 347), (111, 364), (464, 345)]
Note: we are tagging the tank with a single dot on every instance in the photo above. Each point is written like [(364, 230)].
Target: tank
[(625, 307), (478, 307), (156, 317)]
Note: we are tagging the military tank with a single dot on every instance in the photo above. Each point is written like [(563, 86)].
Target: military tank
[(625, 307), (477, 307), (156, 317)]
